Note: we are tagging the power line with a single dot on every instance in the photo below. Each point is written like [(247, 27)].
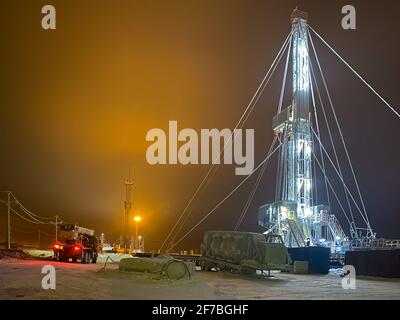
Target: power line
[(23, 231), (30, 219), (26, 215), (22, 217), (28, 212)]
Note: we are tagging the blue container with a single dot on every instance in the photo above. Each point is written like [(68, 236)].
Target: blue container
[(318, 258)]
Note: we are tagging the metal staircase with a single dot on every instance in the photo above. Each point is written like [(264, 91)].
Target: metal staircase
[(335, 228), (296, 233)]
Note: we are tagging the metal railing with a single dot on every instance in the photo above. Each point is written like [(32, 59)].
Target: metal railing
[(358, 244)]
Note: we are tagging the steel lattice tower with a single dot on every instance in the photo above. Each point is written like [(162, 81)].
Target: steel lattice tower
[(297, 132), (293, 214)]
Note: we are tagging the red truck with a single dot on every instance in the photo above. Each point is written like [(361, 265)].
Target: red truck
[(75, 243)]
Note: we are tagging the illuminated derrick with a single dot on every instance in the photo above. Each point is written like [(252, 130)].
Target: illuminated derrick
[(296, 214), (292, 214)]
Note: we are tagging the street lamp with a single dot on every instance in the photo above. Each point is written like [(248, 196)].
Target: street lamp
[(137, 219)]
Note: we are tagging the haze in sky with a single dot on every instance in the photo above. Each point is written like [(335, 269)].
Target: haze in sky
[(76, 104)]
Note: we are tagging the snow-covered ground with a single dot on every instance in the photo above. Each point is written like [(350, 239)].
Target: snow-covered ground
[(37, 253), (21, 279), (102, 257)]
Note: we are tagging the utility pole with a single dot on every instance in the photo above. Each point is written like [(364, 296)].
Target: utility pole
[(9, 220), (141, 244), (128, 207), (102, 240), (56, 228), (137, 237)]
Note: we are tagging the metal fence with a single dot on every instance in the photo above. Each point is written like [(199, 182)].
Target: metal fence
[(362, 244)]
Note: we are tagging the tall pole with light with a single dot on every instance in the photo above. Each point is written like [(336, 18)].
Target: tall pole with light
[(8, 220), (56, 229), (128, 206), (137, 219)]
